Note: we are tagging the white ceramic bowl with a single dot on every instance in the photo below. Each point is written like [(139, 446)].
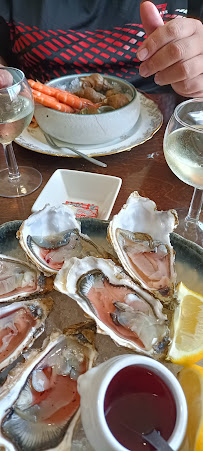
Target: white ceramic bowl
[(92, 388), (78, 186), (92, 128)]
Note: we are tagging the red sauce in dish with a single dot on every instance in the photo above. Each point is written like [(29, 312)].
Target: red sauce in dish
[(138, 400)]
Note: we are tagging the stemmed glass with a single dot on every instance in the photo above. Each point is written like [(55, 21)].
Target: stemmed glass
[(16, 111), (183, 150)]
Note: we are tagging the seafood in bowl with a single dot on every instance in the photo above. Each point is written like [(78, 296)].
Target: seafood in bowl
[(109, 114)]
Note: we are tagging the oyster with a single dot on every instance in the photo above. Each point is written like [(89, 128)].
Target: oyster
[(48, 225), (20, 324), (19, 279), (140, 236), (121, 308), (39, 402)]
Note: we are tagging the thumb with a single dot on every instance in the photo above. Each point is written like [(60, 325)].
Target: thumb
[(6, 78), (150, 17)]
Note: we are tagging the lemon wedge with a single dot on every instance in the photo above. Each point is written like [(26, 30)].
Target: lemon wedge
[(187, 344), (191, 380)]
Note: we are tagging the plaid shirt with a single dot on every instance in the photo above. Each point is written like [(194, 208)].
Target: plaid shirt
[(49, 39)]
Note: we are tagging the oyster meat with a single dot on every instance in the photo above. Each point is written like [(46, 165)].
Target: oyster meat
[(20, 324), (39, 402), (122, 309), (140, 236), (19, 279), (49, 225)]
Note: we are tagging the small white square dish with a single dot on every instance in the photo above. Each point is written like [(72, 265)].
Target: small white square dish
[(76, 186)]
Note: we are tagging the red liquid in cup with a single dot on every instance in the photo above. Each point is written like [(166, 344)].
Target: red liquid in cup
[(137, 400)]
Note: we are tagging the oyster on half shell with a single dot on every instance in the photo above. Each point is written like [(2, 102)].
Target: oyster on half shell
[(20, 324), (140, 236), (19, 279), (39, 402), (122, 309), (46, 225)]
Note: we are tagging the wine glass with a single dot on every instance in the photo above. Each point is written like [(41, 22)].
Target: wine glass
[(16, 111), (183, 150)]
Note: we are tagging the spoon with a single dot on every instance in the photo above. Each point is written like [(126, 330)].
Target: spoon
[(153, 437), (51, 141), (156, 440)]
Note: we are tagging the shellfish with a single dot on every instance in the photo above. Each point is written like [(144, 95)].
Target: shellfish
[(122, 309), (140, 236), (48, 225), (43, 403), (19, 279), (20, 324)]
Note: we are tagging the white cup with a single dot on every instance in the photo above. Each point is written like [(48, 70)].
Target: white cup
[(92, 387)]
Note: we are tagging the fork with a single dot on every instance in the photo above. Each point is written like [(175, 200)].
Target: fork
[(53, 144)]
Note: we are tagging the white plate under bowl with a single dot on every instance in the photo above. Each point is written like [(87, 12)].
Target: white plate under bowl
[(77, 186), (149, 122)]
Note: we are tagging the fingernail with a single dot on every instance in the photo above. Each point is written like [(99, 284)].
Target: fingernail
[(142, 54), (143, 70), (157, 79)]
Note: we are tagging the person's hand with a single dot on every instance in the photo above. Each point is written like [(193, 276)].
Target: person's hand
[(6, 78), (173, 52)]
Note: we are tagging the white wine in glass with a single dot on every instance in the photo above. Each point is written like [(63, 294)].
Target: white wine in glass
[(16, 111), (183, 150)]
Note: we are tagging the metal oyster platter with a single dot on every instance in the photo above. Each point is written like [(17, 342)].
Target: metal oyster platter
[(189, 266)]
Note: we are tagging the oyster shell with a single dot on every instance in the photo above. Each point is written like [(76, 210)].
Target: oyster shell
[(140, 236), (43, 403), (46, 225), (121, 308), (20, 324), (19, 279)]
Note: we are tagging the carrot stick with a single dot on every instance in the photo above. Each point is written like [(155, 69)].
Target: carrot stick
[(63, 96), (50, 102)]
